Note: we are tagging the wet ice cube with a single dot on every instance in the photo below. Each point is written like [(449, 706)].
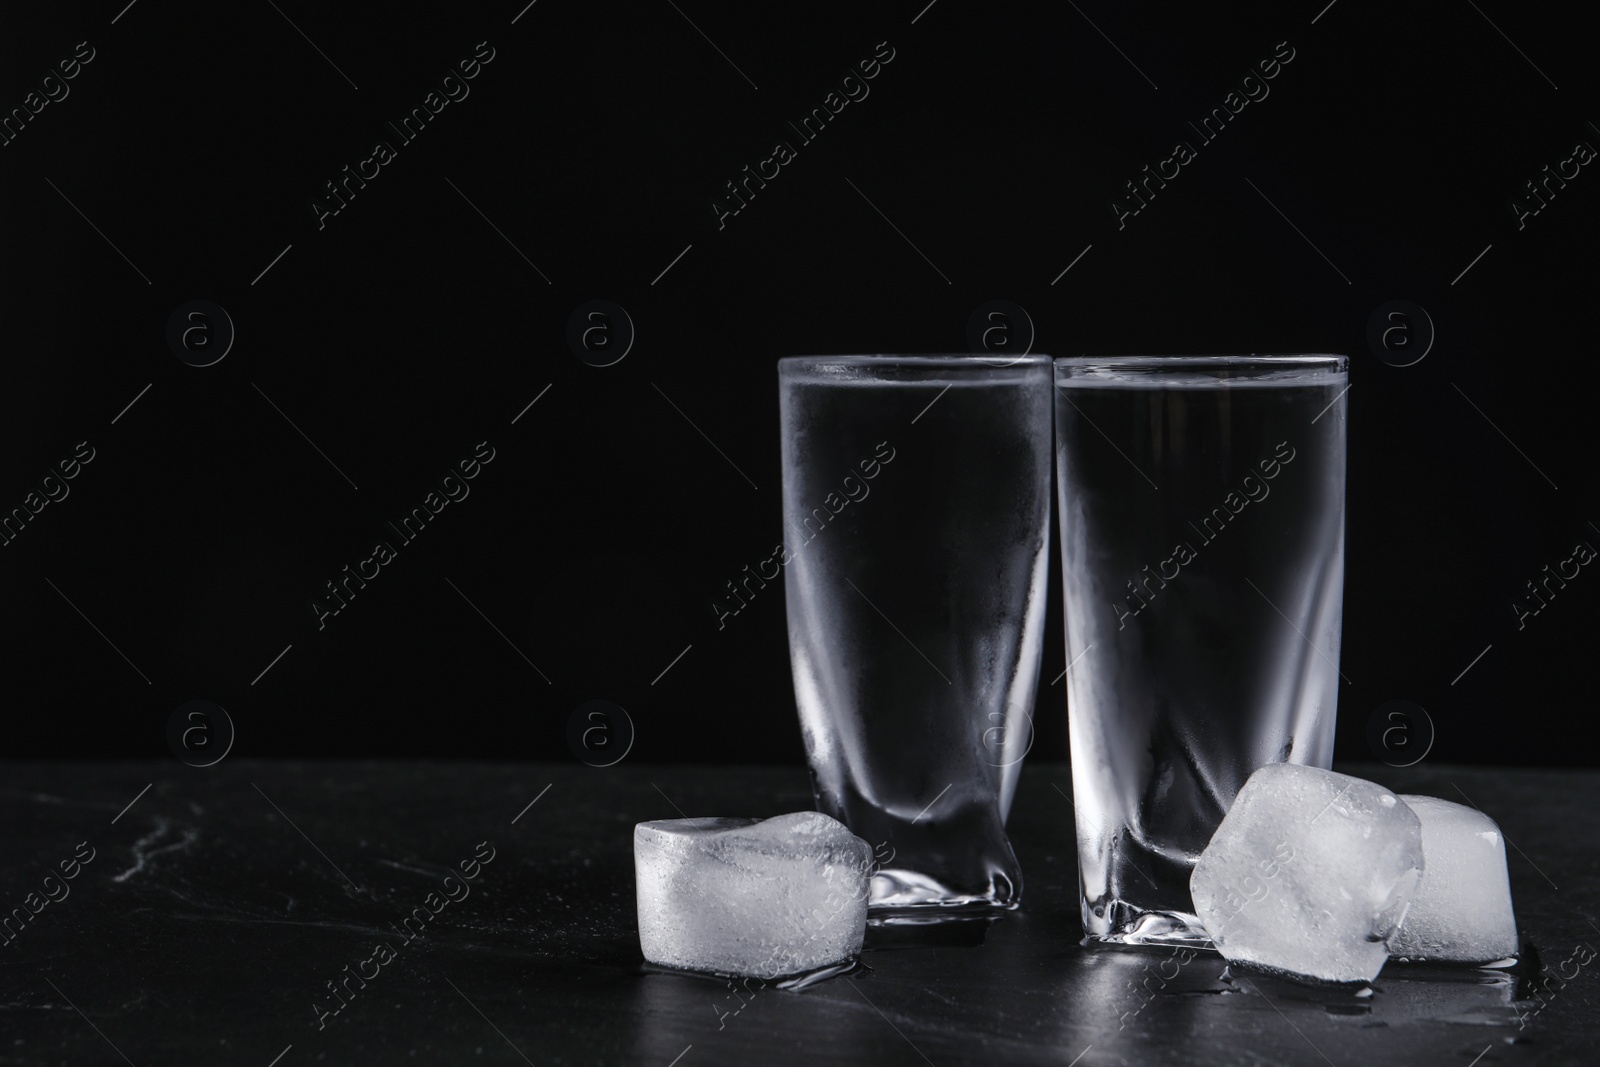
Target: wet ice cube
[(1461, 911), (1309, 874), (752, 897)]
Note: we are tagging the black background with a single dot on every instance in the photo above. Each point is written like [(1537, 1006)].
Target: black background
[(407, 330)]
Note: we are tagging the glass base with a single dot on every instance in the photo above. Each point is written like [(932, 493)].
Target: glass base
[(901, 896), (1158, 928)]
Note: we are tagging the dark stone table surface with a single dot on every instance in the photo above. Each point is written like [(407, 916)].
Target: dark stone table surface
[(217, 907)]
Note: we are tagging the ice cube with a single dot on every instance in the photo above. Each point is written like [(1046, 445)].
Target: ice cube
[(1309, 874), (752, 897), (1461, 911)]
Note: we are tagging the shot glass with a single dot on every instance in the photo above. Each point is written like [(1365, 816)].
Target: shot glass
[(1201, 503), (916, 496)]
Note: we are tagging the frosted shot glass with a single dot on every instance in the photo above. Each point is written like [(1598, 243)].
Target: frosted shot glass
[(1201, 504), (916, 492)]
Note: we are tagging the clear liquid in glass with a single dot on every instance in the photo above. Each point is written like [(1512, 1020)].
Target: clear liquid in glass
[(1202, 527), (916, 611)]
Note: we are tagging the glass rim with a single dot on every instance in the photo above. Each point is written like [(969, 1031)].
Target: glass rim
[(929, 360), (1309, 360), (1200, 370)]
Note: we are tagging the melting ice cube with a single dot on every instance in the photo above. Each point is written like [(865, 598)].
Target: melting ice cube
[(754, 897), (1461, 911), (1309, 874)]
